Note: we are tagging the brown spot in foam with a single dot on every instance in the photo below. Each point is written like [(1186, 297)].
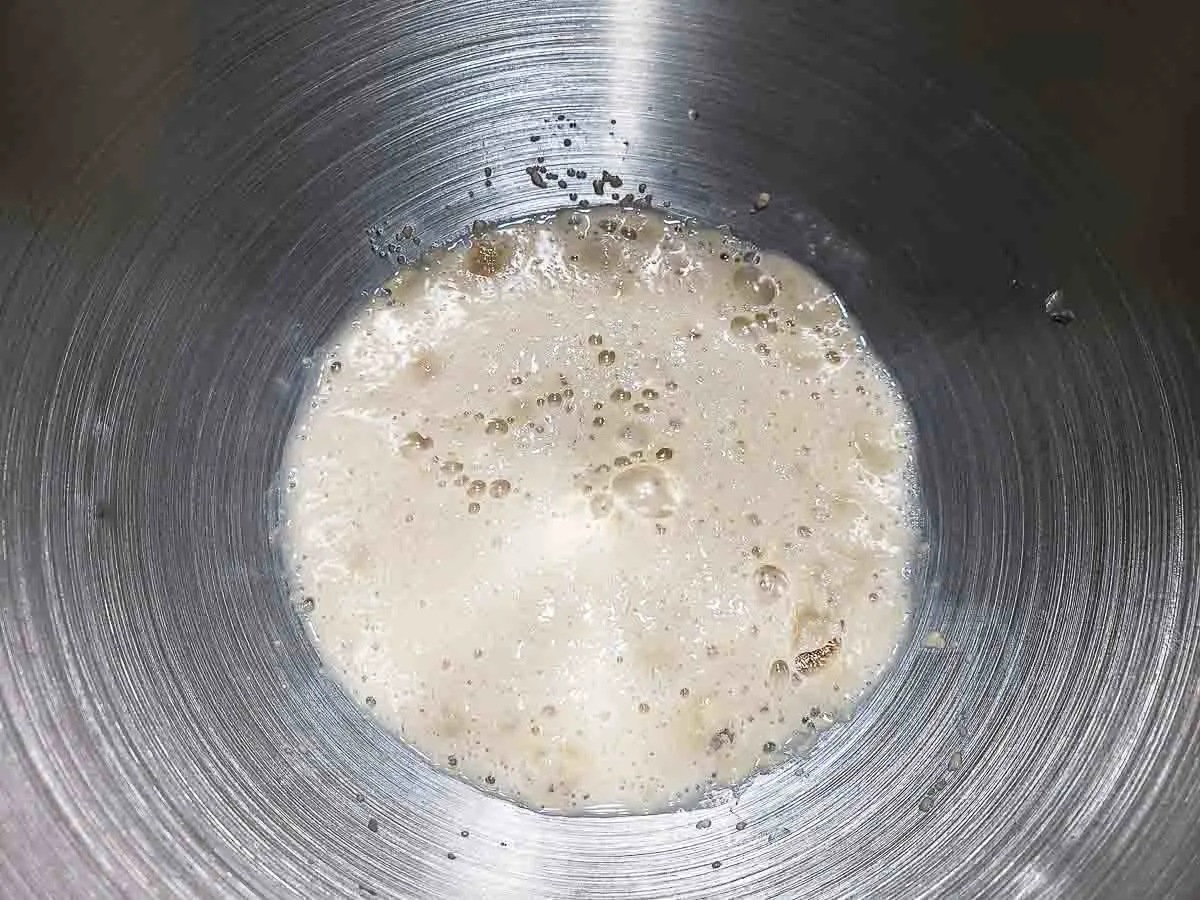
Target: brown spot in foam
[(427, 366), (811, 660), (488, 256)]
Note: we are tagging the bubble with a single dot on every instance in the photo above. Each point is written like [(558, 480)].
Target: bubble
[(607, 357), (646, 490), (741, 327), (452, 467), (476, 488), (595, 340), (308, 604), (601, 505), (473, 508), (620, 395), (500, 488), (641, 408), (554, 398), (643, 707), (496, 426), (414, 440), (704, 824), (780, 671), (771, 581), (754, 285), (598, 421), (649, 394), (662, 454)]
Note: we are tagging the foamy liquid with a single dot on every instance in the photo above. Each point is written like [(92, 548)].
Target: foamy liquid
[(602, 511)]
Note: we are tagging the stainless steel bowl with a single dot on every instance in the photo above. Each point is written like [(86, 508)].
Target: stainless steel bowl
[(192, 193)]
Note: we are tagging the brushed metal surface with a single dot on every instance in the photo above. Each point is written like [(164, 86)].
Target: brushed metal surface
[(192, 193)]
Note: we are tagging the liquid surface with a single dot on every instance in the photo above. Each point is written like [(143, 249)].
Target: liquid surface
[(601, 511)]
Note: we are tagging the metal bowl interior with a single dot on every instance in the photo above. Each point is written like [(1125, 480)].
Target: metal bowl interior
[(196, 193)]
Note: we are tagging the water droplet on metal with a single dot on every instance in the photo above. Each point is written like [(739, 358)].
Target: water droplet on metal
[(1057, 310)]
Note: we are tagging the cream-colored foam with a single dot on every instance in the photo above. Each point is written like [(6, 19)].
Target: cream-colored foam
[(608, 523)]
